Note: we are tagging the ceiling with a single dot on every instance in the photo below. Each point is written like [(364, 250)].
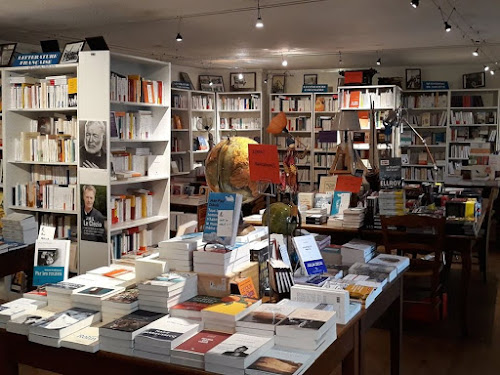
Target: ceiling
[(308, 33)]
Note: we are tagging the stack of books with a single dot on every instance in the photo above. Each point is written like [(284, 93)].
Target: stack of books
[(400, 262), (178, 251), (59, 294), (192, 351), (17, 308), (281, 361), (50, 331), (118, 336), (323, 240), (20, 227), (85, 340), (161, 336), (375, 272), (92, 296), (120, 304), (222, 317), (191, 309), (306, 329), (22, 324), (167, 290), (239, 351), (392, 202), (316, 219), (124, 274), (354, 218), (221, 260), (357, 250), (263, 320)]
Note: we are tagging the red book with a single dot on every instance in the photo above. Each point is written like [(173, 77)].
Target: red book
[(199, 344), (191, 309)]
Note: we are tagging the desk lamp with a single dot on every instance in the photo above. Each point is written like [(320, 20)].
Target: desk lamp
[(344, 121)]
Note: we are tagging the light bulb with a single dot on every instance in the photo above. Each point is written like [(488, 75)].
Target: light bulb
[(240, 76), (486, 68), (492, 72), (210, 83), (178, 37), (447, 27), (476, 52), (414, 3), (284, 63), (259, 24), (379, 61)]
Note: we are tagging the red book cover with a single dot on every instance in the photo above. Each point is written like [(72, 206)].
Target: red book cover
[(203, 342)]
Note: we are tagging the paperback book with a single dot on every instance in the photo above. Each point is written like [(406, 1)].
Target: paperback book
[(65, 323), (223, 217), (51, 263), (129, 326)]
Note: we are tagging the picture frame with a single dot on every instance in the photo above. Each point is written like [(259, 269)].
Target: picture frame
[(243, 81), (310, 79), (413, 79), (216, 86), (474, 80), (71, 52), (278, 83), (6, 53), (185, 78)]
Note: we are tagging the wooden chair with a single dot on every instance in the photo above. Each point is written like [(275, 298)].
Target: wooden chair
[(419, 237)]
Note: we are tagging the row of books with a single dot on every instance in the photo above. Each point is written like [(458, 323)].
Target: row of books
[(362, 99), (476, 134), (431, 100), (239, 103), (459, 151), (45, 195), (467, 101), (60, 175), (49, 92), (392, 202), (134, 88), (422, 174), (408, 138), (67, 125), (130, 241), (240, 123), (131, 125), (301, 142), (472, 118), (428, 119), (291, 104), (135, 159), (65, 225), (326, 104), (136, 205), (45, 148), (422, 158), (204, 102), (179, 101)]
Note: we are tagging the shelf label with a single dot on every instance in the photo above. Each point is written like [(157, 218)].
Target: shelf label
[(36, 59)]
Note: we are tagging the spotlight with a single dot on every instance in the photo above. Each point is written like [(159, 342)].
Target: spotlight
[(178, 37), (415, 3), (259, 24), (284, 63), (379, 61), (476, 52), (486, 68), (210, 83), (447, 26), (492, 72), (240, 76), (265, 80)]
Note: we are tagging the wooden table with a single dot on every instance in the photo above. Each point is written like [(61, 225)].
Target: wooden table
[(17, 260)]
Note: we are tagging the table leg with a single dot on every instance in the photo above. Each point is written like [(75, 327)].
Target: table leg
[(350, 364), (466, 254), (7, 366), (396, 313)]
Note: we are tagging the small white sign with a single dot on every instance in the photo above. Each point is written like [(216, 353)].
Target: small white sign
[(224, 223), (46, 232)]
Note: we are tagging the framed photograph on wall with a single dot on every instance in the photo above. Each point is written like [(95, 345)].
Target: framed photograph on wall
[(278, 84), (71, 51), (310, 79), (243, 81), (211, 83), (6, 53), (474, 80), (413, 79)]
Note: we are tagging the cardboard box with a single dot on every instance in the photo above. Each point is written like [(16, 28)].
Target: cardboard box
[(220, 286)]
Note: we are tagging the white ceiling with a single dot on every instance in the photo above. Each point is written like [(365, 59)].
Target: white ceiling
[(310, 33)]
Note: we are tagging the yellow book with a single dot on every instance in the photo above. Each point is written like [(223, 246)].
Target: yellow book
[(232, 308), (72, 85)]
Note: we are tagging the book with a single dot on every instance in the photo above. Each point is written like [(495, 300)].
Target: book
[(400, 262), (19, 307), (85, 340), (65, 323), (278, 361), (129, 326), (265, 317), (222, 218), (374, 272), (194, 349), (51, 263), (21, 325), (191, 309), (363, 294), (341, 201), (125, 300), (94, 295), (306, 323), (310, 257), (231, 309)]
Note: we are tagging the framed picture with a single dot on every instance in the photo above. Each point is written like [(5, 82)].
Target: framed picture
[(242, 81), (413, 79), (474, 80), (6, 53), (278, 84), (71, 51), (211, 83), (310, 79)]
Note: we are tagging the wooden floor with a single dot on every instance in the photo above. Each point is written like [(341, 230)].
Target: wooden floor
[(430, 349)]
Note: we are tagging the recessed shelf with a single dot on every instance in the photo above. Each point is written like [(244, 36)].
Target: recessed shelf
[(42, 163), (55, 211), (65, 109), (240, 110), (138, 180), (202, 110), (180, 109), (136, 104), (179, 174), (135, 223)]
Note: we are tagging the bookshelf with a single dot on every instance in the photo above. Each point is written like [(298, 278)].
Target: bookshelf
[(39, 115), (427, 112), (193, 112), (239, 113)]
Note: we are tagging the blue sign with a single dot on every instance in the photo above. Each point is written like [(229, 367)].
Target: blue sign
[(36, 59), (181, 85), (47, 275), (315, 88), (435, 85), (315, 267)]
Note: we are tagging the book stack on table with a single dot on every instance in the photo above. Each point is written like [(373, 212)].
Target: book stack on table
[(120, 304), (221, 260), (357, 251), (17, 308), (178, 251)]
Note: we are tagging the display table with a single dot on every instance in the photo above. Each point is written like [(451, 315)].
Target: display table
[(347, 351)]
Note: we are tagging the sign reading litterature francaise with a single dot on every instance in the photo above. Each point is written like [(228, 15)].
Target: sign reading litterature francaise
[(36, 59)]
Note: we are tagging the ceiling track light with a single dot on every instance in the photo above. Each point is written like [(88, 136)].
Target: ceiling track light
[(379, 61), (492, 72), (259, 24), (415, 3), (476, 52), (486, 68), (447, 26), (179, 36), (284, 62)]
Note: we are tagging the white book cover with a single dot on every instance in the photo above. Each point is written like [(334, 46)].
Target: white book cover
[(15, 309), (86, 340), (397, 261), (51, 263), (21, 325), (239, 350), (95, 294), (310, 257), (65, 323), (280, 361), (266, 316), (306, 323)]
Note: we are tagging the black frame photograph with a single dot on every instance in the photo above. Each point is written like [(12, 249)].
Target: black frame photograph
[(310, 79), (474, 80), (278, 84), (243, 81), (216, 86), (6, 53), (71, 51), (413, 79)]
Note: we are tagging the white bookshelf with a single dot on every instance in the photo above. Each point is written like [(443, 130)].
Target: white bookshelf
[(239, 113), (196, 110)]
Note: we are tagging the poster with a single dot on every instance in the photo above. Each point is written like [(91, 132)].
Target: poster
[(93, 144), (94, 209)]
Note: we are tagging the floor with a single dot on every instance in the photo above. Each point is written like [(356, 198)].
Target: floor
[(430, 349)]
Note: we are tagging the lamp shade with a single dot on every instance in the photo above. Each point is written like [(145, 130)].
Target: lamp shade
[(277, 124), (346, 121)]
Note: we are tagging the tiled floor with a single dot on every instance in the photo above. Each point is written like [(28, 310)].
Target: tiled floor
[(438, 348)]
